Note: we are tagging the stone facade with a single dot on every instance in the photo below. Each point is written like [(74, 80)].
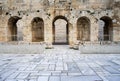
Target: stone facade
[(53, 20)]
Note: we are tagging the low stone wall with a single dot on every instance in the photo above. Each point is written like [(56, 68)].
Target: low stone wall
[(39, 48), (100, 49), (22, 49)]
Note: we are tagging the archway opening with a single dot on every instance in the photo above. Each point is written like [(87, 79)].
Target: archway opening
[(12, 28), (105, 29), (83, 29), (37, 29), (60, 30)]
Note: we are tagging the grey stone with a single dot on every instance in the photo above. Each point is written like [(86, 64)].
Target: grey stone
[(81, 78), (54, 78), (113, 77), (43, 78)]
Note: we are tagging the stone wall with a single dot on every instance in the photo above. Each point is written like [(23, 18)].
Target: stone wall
[(116, 20), (48, 10)]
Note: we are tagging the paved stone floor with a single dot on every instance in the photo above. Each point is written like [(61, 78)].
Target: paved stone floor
[(60, 64)]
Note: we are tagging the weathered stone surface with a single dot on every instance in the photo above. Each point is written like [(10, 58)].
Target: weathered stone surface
[(50, 10), (72, 66)]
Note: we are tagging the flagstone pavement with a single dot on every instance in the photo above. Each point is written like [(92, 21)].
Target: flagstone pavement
[(60, 64)]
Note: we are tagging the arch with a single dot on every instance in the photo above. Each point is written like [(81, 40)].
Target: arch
[(37, 29), (12, 28), (60, 17), (107, 30), (60, 34), (83, 29)]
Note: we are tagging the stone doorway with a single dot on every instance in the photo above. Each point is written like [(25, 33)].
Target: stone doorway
[(12, 28), (83, 29), (37, 29), (105, 29), (60, 30)]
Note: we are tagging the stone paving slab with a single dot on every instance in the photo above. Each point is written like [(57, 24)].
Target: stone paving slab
[(60, 64), (111, 70), (81, 78), (113, 78), (43, 78), (54, 78)]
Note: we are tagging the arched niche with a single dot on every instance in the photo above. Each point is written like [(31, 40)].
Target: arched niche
[(106, 29), (83, 29), (37, 29), (60, 30), (12, 28)]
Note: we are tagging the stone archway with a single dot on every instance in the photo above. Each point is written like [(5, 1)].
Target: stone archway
[(12, 28), (37, 29), (83, 29), (107, 29), (60, 30)]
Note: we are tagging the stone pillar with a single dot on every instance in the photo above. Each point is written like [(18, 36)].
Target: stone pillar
[(94, 30), (48, 37), (116, 34), (4, 29), (27, 30), (70, 34)]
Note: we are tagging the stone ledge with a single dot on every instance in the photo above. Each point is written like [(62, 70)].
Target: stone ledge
[(100, 49)]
